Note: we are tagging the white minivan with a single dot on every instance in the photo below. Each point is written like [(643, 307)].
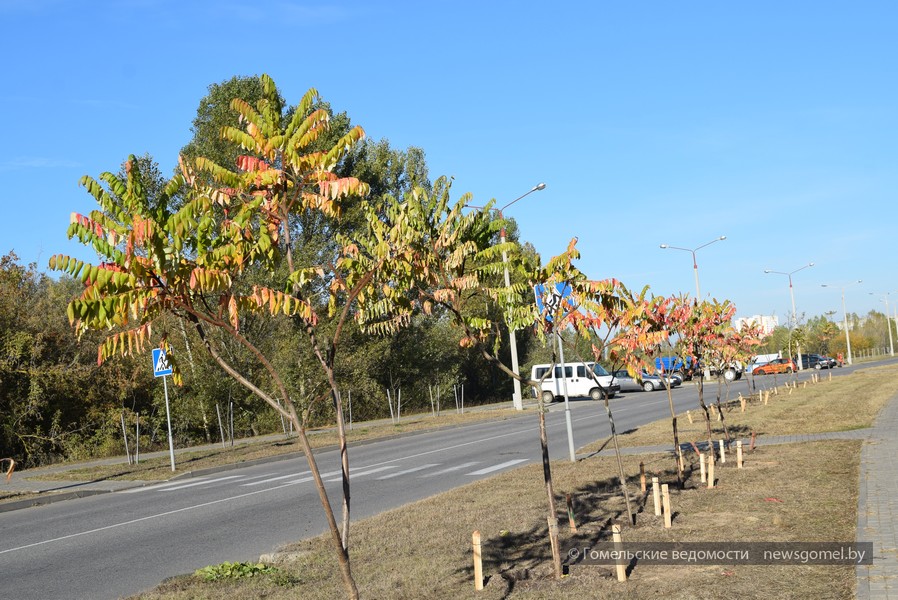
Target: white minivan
[(579, 381)]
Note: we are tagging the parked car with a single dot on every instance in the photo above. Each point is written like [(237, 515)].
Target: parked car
[(646, 381), (777, 365), (815, 361)]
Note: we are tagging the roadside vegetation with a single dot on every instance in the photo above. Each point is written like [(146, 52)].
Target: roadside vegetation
[(790, 492)]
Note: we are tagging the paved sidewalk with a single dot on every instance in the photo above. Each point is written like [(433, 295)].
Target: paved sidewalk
[(877, 514)]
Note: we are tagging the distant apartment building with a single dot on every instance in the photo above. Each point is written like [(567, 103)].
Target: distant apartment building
[(767, 323)]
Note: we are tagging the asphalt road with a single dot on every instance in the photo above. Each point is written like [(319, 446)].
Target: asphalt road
[(117, 544)]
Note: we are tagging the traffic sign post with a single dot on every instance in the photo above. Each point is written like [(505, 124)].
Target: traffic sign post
[(162, 368), (549, 303)]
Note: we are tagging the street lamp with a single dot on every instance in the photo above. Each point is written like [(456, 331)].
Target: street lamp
[(698, 292), (885, 298), (792, 295), (845, 314), (516, 398)]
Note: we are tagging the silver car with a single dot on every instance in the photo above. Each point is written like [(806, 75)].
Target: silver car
[(646, 382)]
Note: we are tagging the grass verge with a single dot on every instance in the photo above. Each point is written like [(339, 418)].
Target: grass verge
[(799, 492), (843, 404)]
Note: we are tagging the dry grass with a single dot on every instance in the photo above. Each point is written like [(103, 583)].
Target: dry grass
[(159, 467), (423, 550), (843, 404)]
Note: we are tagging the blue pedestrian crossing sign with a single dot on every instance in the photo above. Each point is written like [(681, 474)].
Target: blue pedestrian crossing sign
[(161, 366)]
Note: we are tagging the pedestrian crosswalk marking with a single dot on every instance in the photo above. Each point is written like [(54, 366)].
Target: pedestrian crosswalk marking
[(451, 469), (205, 482), (353, 475), (407, 471), (497, 467)]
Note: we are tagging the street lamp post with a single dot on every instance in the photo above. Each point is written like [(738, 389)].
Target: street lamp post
[(885, 298), (792, 295), (698, 291), (517, 399), (845, 316)]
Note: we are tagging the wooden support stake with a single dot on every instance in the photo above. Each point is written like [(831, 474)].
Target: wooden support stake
[(723, 453), (719, 415), (830, 376), (711, 469), (738, 454), (665, 500), (742, 402), (656, 496), (805, 385), (642, 476), (570, 513), (753, 434), (689, 416), (790, 391), (701, 466), (776, 391), (478, 562), (681, 459), (619, 565)]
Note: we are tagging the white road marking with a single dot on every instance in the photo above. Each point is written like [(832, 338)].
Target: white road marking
[(354, 474), (450, 469), (407, 471), (204, 482), (497, 467), (272, 479)]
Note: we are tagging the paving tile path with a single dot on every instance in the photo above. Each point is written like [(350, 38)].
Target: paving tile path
[(877, 514)]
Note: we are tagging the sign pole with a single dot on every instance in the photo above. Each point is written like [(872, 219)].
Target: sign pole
[(567, 405), (171, 445)]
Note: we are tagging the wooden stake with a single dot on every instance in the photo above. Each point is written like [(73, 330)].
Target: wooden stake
[(478, 562), (830, 376), (723, 453), (681, 459), (656, 496), (689, 416), (711, 469), (719, 415), (701, 466), (766, 397), (619, 565), (742, 402), (790, 391), (665, 499), (776, 391), (738, 454), (805, 385), (642, 476), (753, 434), (570, 513)]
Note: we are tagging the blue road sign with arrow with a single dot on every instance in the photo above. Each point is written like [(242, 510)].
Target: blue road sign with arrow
[(161, 366)]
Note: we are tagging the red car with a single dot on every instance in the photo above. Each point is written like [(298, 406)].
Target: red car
[(777, 365)]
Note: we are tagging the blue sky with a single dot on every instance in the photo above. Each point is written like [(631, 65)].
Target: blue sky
[(773, 123)]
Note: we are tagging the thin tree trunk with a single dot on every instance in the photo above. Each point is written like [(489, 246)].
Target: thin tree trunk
[(676, 435), (620, 463), (550, 493), (344, 465)]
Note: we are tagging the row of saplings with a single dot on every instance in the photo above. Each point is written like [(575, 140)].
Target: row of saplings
[(709, 463)]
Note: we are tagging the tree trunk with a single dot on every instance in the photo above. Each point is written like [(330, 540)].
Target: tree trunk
[(344, 465), (620, 463), (676, 435), (550, 493)]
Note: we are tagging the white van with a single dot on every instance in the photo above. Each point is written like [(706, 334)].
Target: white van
[(579, 381)]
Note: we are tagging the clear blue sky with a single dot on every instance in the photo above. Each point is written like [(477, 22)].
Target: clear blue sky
[(773, 123)]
